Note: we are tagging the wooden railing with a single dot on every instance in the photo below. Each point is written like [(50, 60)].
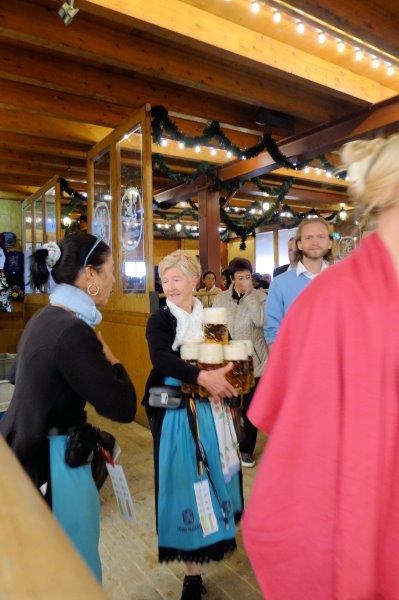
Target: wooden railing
[(37, 561)]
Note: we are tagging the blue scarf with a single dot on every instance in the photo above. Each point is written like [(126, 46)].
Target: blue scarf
[(77, 301)]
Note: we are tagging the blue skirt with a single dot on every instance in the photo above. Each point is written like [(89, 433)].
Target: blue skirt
[(180, 533), (76, 504)]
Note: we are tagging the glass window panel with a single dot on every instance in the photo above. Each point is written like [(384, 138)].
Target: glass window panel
[(27, 242), (39, 230), (132, 213), (284, 236), (264, 252), (50, 224), (102, 213)]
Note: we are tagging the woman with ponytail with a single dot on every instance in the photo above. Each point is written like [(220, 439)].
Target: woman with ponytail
[(322, 522), (62, 364)]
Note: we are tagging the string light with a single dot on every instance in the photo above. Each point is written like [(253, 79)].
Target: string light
[(341, 46), (321, 38), (300, 28), (178, 227), (213, 152), (255, 7), (359, 55), (375, 63), (164, 143), (276, 17), (181, 145), (390, 70), (198, 149), (266, 206), (229, 154)]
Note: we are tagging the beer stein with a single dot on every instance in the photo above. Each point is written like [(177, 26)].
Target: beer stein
[(215, 326), (237, 354), (210, 357), (248, 365), (189, 352)]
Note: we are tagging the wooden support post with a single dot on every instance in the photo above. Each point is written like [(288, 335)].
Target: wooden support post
[(275, 248), (209, 239)]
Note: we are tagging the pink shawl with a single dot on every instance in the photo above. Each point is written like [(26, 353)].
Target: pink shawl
[(322, 522)]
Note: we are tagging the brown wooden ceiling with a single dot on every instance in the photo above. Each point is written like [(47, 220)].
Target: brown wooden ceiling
[(63, 88)]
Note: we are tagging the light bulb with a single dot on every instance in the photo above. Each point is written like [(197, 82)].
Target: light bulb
[(307, 169), (229, 154), (390, 70), (375, 63), (276, 17), (321, 37), (198, 149), (266, 206), (181, 145), (300, 28), (213, 151), (341, 46), (343, 215), (178, 227), (164, 143), (359, 55), (255, 7), (67, 221)]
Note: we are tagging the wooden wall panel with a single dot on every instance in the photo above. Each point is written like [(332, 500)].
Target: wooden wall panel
[(10, 217), (234, 250)]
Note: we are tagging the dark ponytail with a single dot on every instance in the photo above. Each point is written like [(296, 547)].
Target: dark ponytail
[(39, 273), (75, 248)]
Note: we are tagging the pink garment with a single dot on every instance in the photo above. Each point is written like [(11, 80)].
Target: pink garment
[(322, 522)]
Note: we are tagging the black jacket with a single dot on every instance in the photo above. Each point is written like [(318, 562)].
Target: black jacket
[(60, 366)]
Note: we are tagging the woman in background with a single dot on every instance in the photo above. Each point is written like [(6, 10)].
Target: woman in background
[(323, 518), (62, 364)]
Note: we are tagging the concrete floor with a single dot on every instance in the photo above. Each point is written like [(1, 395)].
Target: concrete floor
[(129, 552)]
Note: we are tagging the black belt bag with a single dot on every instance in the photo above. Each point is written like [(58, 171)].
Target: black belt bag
[(166, 396)]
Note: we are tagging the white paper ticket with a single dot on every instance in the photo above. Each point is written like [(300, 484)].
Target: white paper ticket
[(123, 496), (206, 513)]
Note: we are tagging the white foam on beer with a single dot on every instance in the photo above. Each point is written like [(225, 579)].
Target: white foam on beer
[(189, 350), (237, 351), (210, 354), (215, 316), (248, 343)]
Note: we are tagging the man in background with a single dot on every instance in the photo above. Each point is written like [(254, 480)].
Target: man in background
[(292, 257)]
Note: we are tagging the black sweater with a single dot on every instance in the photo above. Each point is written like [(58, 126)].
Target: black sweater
[(60, 366)]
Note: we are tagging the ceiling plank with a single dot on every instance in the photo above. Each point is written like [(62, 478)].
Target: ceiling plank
[(369, 21), (93, 42), (205, 30), (38, 68), (38, 145)]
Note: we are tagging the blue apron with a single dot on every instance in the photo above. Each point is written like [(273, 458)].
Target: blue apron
[(76, 504)]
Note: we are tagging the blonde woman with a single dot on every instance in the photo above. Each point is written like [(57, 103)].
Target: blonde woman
[(323, 518), (180, 534)]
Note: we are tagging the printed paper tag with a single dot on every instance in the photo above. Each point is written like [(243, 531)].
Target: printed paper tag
[(123, 496), (207, 516)]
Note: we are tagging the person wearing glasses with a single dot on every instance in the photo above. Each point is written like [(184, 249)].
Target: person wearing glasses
[(61, 364)]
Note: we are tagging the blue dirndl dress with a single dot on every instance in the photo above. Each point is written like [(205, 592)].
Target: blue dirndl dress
[(180, 533), (76, 504)]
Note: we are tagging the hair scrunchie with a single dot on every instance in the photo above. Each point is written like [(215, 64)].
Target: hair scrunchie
[(54, 253)]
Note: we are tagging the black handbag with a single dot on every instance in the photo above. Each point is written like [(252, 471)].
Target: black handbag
[(166, 396), (83, 446)]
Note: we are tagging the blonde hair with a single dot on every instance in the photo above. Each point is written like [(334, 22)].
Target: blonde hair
[(184, 261), (372, 167)]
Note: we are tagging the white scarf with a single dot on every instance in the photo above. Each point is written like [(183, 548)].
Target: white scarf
[(189, 325)]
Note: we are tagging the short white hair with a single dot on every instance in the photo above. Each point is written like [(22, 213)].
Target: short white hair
[(184, 261)]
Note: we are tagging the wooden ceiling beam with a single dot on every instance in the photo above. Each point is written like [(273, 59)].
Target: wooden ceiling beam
[(50, 127), (203, 30), (381, 119), (56, 162), (94, 42), (366, 20), (11, 140)]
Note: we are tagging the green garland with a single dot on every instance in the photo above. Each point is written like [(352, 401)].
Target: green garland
[(77, 201)]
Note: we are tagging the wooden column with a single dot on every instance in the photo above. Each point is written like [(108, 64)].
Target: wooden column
[(209, 239), (275, 248)]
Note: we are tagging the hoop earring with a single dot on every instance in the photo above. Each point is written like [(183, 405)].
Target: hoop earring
[(90, 292)]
